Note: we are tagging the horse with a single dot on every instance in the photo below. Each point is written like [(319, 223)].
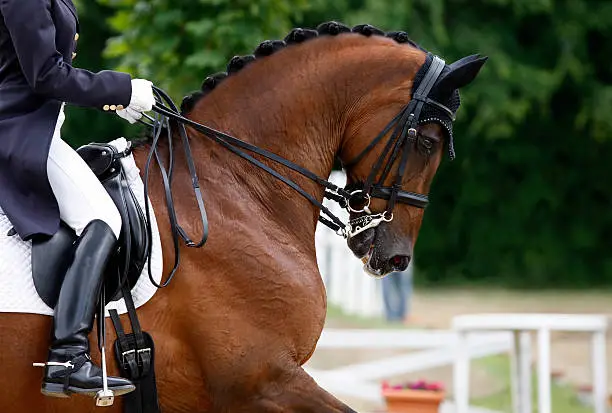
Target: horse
[(243, 314)]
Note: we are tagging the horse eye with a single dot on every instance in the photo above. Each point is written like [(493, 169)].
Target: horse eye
[(426, 144)]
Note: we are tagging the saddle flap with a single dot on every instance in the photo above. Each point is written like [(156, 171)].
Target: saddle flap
[(51, 256), (134, 239), (105, 162)]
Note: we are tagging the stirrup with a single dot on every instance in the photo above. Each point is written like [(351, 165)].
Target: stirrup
[(105, 397)]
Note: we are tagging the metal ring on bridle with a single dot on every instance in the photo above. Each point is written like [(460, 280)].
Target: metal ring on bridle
[(364, 196)]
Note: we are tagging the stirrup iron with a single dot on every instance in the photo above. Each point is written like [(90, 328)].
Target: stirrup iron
[(104, 397)]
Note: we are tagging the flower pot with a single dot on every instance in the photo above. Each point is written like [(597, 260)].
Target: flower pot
[(413, 401)]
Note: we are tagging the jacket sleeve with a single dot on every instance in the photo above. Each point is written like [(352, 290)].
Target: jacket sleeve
[(32, 32)]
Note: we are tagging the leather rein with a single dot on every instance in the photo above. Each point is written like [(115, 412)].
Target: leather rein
[(404, 132)]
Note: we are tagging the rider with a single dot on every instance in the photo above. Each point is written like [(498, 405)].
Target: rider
[(43, 180)]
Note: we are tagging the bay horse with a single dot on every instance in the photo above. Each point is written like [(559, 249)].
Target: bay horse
[(244, 313)]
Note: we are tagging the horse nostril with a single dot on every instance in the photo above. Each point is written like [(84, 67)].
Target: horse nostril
[(399, 262)]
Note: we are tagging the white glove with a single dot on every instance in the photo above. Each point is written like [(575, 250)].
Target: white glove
[(129, 114), (142, 101)]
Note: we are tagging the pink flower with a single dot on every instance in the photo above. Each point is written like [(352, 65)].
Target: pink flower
[(417, 385), (435, 387)]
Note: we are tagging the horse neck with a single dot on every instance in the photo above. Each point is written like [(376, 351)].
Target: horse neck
[(296, 104)]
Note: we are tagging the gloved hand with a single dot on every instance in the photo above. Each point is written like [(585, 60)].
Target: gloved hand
[(142, 101)]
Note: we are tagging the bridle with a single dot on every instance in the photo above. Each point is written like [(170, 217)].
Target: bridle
[(404, 133)]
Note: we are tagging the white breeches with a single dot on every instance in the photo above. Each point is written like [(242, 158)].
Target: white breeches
[(79, 194)]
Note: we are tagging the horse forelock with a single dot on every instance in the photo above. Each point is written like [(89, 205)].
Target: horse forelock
[(295, 36)]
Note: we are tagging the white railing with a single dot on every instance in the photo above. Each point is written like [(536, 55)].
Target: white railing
[(521, 325), (427, 349), (348, 286)]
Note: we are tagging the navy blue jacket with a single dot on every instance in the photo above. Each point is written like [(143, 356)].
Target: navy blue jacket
[(37, 42)]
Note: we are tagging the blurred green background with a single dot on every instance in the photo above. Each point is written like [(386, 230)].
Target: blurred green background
[(526, 204)]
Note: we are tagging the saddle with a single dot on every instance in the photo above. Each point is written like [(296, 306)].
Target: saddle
[(50, 259)]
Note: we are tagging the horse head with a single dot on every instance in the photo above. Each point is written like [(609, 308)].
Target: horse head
[(377, 101), (389, 176)]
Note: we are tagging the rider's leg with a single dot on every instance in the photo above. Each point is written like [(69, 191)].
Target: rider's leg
[(79, 194), (86, 207)]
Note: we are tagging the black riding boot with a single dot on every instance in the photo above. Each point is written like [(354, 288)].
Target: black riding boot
[(69, 368)]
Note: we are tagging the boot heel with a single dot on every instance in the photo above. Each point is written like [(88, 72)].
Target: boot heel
[(54, 390)]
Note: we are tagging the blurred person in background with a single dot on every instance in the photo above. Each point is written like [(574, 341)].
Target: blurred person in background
[(397, 292)]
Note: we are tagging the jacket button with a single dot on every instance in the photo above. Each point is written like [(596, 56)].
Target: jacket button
[(76, 37), (120, 107), (113, 107), (73, 55), (106, 107)]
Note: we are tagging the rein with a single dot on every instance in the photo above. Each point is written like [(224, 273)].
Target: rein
[(177, 231), (358, 201), (238, 146)]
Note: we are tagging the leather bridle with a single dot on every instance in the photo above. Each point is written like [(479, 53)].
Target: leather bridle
[(404, 133)]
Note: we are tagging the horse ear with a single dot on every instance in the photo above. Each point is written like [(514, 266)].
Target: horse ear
[(461, 73)]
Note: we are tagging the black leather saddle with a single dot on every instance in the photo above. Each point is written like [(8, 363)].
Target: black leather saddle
[(51, 256)]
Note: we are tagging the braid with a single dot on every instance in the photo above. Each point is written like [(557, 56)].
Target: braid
[(269, 47)]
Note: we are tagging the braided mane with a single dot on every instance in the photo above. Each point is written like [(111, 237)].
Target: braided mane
[(269, 47)]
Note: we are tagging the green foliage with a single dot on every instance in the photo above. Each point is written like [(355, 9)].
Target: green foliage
[(177, 43), (526, 203)]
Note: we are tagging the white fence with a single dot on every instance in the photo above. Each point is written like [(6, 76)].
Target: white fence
[(521, 325), (427, 349), (348, 286)]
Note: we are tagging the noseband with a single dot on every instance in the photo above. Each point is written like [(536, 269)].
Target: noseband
[(404, 127)]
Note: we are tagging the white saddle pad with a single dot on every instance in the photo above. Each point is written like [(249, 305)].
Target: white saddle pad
[(17, 291)]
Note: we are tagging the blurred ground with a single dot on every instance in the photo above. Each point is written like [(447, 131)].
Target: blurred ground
[(435, 309)]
